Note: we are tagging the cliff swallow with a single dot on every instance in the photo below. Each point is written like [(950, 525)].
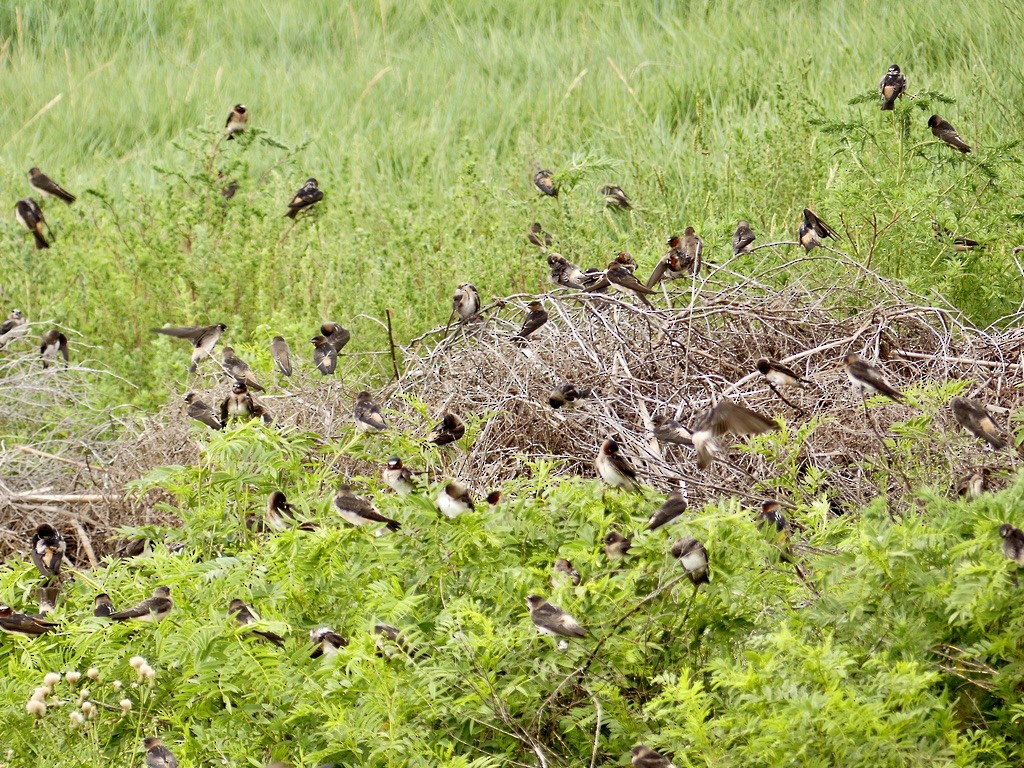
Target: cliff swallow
[(566, 394), (200, 411), (30, 216), (538, 237), (327, 642), (102, 606), (778, 374), (308, 194), (15, 623), (325, 356), (693, 251), (337, 335), (693, 557), (623, 280), (945, 132), (394, 635), (1013, 543), (236, 368), (867, 380), (645, 757), (359, 511), (238, 118), (48, 550), (613, 468), (743, 238), (280, 515), (282, 355), (552, 620), (240, 405), (725, 418), (812, 229), (48, 187), (155, 608), (466, 302), (450, 430), (543, 181), (244, 615), (398, 476), (974, 417), (157, 755), (960, 243), (616, 546), (535, 318), (47, 597), (567, 275), (13, 327), (891, 86), (671, 266), (454, 499), (671, 508), (201, 337), (614, 197), (563, 573), (771, 519), (367, 413), (53, 343), (668, 430), (974, 484)]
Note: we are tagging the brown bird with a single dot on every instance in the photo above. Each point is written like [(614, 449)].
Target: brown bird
[(1013, 543), (308, 194), (945, 132), (48, 549), (891, 86), (538, 237), (14, 327), (645, 757), (455, 499), (245, 616), (466, 302), (771, 519), (53, 343), (671, 266), (974, 417), (367, 413), (102, 606), (743, 238), (327, 641), (725, 418), (280, 515), (157, 755), (15, 623), (394, 635), (48, 187), (236, 368), (960, 243), (613, 468), (778, 374), (155, 608), (567, 275), (668, 430), (325, 356), (399, 477), (336, 335), (974, 484), (543, 181), (614, 197), (671, 508), (693, 251), (450, 430), (535, 318), (30, 216), (563, 573), (201, 337), (552, 620), (238, 119), (623, 280), (359, 511), (567, 394), (616, 546), (200, 411), (867, 380), (812, 229), (693, 557), (282, 355), (240, 405)]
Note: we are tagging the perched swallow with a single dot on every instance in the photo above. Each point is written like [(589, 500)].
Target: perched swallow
[(567, 275), (867, 380), (1013, 543), (238, 369), (325, 356), (466, 302), (566, 394), (771, 519), (337, 335), (359, 511), (743, 238), (48, 187), (15, 623), (974, 484), (394, 635), (623, 280), (616, 546), (240, 405), (200, 411), (229, 190), (891, 86), (238, 118), (48, 550), (960, 243), (244, 615), (367, 413), (974, 417), (778, 374), (13, 326), (53, 343), (102, 606), (645, 757), (725, 418), (812, 229), (155, 608), (947, 133), (30, 216), (450, 430), (614, 197), (562, 573), (157, 755), (280, 515), (538, 237), (327, 642), (613, 468), (308, 194), (672, 264), (693, 557), (201, 337), (454, 499), (542, 180), (535, 318), (552, 620), (693, 251), (281, 354), (671, 508), (668, 430), (398, 476)]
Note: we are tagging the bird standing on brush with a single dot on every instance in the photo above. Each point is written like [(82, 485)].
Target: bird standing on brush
[(974, 417), (812, 229), (466, 302), (616, 546), (308, 194), (543, 181), (536, 235), (891, 86), (974, 484), (155, 608), (693, 557), (201, 337), (47, 187), (1013, 543), (30, 216), (13, 327), (945, 132), (245, 616), (567, 394), (536, 316), (672, 265), (48, 550), (567, 275), (778, 374), (450, 430), (53, 343), (551, 620), (238, 119), (327, 642), (455, 499), (620, 275), (236, 368), (240, 405), (200, 411), (15, 623), (325, 356), (671, 508), (367, 414), (743, 238), (359, 511), (867, 380), (282, 355), (613, 468), (562, 573), (399, 477)]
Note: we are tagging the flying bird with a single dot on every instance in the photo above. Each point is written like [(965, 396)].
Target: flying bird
[(812, 229), (562, 572), (282, 355), (53, 343), (236, 368), (48, 550), (30, 216), (613, 468), (47, 187), (671, 508), (201, 337), (359, 511), (891, 86), (201, 412), (645, 757), (552, 620), (455, 499), (238, 119), (725, 418), (155, 608), (398, 476), (944, 131), (157, 755), (543, 181), (743, 238), (367, 413), (245, 616), (325, 356), (614, 197), (308, 194), (567, 394), (535, 318), (668, 430), (450, 430), (693, 557), (327, 642), (616, 546), (1013, 543), (974, 417), (867, 380)]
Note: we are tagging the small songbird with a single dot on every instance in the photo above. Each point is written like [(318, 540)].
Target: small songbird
[(450, 430), (552, 620), (155, 608), (48, 550), (236, 368), (974, 484), (53, 343), (543, 181), (693, 557), (567, 394), (200, 411), (812, 229), (535, 318), (367, 413), (47, 598), (668, 430), (30, 216), (778, 374), (15, 623), (14, 326), (48, 187), (337, 335), (538, 237), (743, 238), (672, 264), (240, 405), (960, 242), (771, 519), (229, 190), (157, 755), (394, 635), (201, 337), (1013, 543), (623, 280), (945, 132), (238, 118), (282, 355), (308, 194), (645, 757), (327, 642), (614, 197), (325, 356), (280, 515), (563, 573), (454, 499), (399, 477), (466, 302), (725, 418), (867, 380), (693, 251), (671, 508), (616, 546), (567, 275), (245, 615), (614, 468), (974, 417), (359, 511), (891, 86), (102, 606)]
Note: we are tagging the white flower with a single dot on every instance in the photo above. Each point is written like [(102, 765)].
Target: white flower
[(126, 705), (73, 676), (135, 662), (93, 673), (77, 718), (41, 693), (51, 679), (89, 709), (83, 694), (150, 674), (34, 707), (117, 685)]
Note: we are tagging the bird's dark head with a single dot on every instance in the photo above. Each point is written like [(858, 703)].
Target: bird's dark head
[(450, 421), (190, 397), (240, 109), (151, 741), (743, 224), (493, 497), (625, 257), (1005, 530), (228, 352), (162, 592), (311, 182), (101, 598), (535, 306), (236, 605), (46, 531), (659, 419), (555, 258), (276, 500), (5, 610), (238, 387), (763, 366), (690, 232), (535, 601), (33, 171), (613, 537), (851, 358), (222, 327), (394, 463), (318, 340), (894, 69), (934, 121), (610, 447), (363, 396), (673, 242)]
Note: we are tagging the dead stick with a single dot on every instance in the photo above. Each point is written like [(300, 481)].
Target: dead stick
[(83, 539), (391, 345)]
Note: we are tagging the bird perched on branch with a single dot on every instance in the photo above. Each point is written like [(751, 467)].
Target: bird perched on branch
[(562, 572), (891, 87), (693, 557), (201, 412), (367, 413), (867, 380), (48, 187), (671, 508), (668, 430), (236, 368), (13, 327), (543, 181), (567, 394), (536, 316), (399, 477), (616, 546), (450, 430), (455, 499), (743, 238), (1013, 543), (567, 275), (238, 119), (30, 215), (325, 356), (282, 355), (201, 337), (327, 642), (15, 623), (280, 515), (157, 755), (240, 405), (48, 550), (155, 608), (538, 237), (102, 606), (672, 263), (613, 468), (620, 275), (973, 416), (51, 344), (812, 229), (466, 302), (614, 197), (725, 418), (359, 511), (245, 616), (308, 194), (945, 132), (552, 620), (778, 374)]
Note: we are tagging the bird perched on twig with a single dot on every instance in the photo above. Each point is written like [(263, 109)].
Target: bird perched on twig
[(201, 337), (668, 430), (48, 550), (13, 327), (562, 572), (725, 418), (359, 511), (245, 616), (398, 476), (614, 197), (552, 620), (466, 302), (945, 132), (308, 194), (613, 468), (51, 344), (450, 430), (693, 557), (30, 215), (280, 515), (543, 181), (455, 499), (536, 316), (812, 229), (975, 418), (238, 119), (778, 374), (671, 508), (236, 368), (201, 412), (240, 405), (567, 275), (48, 187), (567, 394), (23, 624), (325, 356), (282, 355), (672, 263), (867, 380), (337, 335), (620, 275), (743, 238), (367, 413), (891, 87), (155, 608)]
